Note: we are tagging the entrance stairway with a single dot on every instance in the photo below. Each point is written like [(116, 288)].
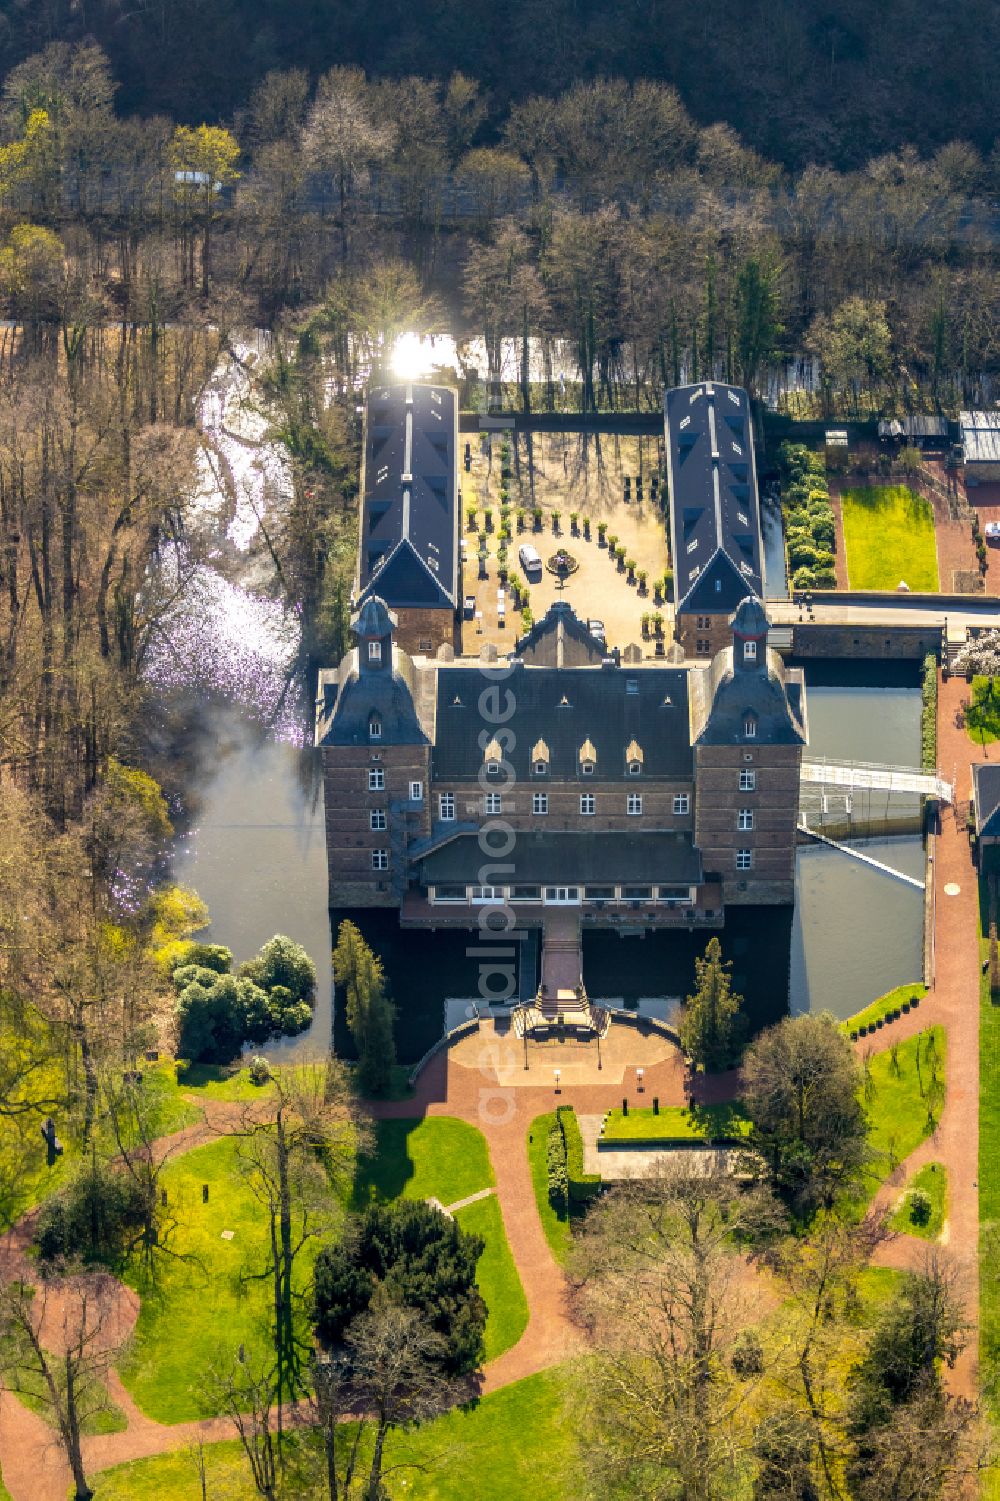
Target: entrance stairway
[(561, 1002)]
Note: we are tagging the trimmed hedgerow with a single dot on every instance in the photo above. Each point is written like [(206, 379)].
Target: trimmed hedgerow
[(928, 714), (582, 1186)]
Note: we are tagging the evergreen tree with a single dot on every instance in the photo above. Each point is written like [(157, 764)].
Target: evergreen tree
[(711, 1026), (369, 1013)]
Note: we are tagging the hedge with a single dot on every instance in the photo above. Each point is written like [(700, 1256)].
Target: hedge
[(928, 715), (557, 1166), (582, 1186), (810, 529)]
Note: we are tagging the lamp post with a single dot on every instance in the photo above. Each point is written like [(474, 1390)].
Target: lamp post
[(558, 1076), (524, 1036)]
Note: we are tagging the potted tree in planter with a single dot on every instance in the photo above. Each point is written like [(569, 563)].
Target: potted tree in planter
[(536, 517), (586, 527), (470, 516), (602, 532), (502, 562), (574, 523), (520, 519), (658, 623), (646, 622), (641, 577), (488, 519), (556, 518)]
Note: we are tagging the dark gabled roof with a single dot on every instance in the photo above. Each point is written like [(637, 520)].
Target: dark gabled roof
[(986, 787), (723, 698), (348, 697), (714, 511), (610, 706), (581, 857), (560, 639), (409, 521)]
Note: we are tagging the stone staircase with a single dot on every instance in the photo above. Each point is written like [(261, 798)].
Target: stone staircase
[(561, 1003)]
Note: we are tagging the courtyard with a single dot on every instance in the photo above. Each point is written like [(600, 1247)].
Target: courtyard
[(566, 491)]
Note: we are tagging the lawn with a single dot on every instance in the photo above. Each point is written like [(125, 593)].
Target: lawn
[(898, 1101), (982, 717), (557, 1227), (101, 1414), (497, 1277), (515, 1442), (676, 1123), (889, 537), (893, 1000), (200, 1309), (212, 1081), (437, 1157), (932, 1179)]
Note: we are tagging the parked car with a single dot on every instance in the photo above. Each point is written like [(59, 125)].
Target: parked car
[(530, 561), (596, 629), (991, 531), (469, 607)]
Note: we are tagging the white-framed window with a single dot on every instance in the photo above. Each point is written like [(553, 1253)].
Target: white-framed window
[(377, 820), (634, 768), (744, 818), (634, 803), (380, 859), (539, 802), (750, 727), (493, 802), (744, 859), (588, 803), (749, 651), (541, 768), (748, 781), (375, 728), (587, 768), (416, 792), (374, 651), (682, 803), (446, 806), (487, 894), (376, 779)]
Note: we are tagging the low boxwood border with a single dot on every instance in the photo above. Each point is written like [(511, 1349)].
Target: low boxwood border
[(582, 1186)]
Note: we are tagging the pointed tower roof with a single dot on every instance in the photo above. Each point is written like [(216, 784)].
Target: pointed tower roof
[(374, 618)]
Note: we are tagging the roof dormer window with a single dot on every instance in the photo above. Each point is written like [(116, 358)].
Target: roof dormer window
[(540, 758), (749, 651), (588, 758), (374, 651), (375, 727), (634, 758), (634, 768), (541, 768), (750, 726)]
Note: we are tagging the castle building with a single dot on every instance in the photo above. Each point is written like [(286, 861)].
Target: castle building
[(408, 549), (638, 793), (715, 535)]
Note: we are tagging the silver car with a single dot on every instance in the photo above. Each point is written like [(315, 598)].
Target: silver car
[(530, 561)]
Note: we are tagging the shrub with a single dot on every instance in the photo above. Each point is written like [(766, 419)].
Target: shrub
[(282, 961), (803, 579), (557, 1167), (802, 554), (582, 1186), (216, 1013), (211, 956), (259, 1070), (94, 1218), (928, 714), (824, 530), (920, 1207), (824, 578)]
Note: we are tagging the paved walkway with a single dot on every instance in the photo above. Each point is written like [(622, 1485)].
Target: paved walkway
[(483, 1081)]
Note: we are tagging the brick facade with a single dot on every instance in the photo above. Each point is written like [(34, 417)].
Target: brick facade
[(349, 803), (703, 635), (774, 805), (422, 631)]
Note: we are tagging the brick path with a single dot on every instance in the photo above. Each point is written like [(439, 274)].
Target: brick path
[(467, 1084)]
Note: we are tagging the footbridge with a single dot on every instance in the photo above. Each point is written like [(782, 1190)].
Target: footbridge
[(874, 776), (857, 854)]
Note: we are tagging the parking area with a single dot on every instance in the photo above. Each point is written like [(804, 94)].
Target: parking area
[(560, 490)]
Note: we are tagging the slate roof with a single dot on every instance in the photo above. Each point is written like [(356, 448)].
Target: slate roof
[(610, 706), (714, 511), (560, 639), (722, 698), (409, 521), (986, 787), (581, 858), (347, 698)]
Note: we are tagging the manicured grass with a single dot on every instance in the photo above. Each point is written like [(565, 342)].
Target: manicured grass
[(497, 1277), (557, 1227), (932, 1180), (517, 1442), (889, 537), (893, 1000), (676, 1123), (218, 1082), (982, 718), (898, 1107), (437, 1157), (199, 1308)]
